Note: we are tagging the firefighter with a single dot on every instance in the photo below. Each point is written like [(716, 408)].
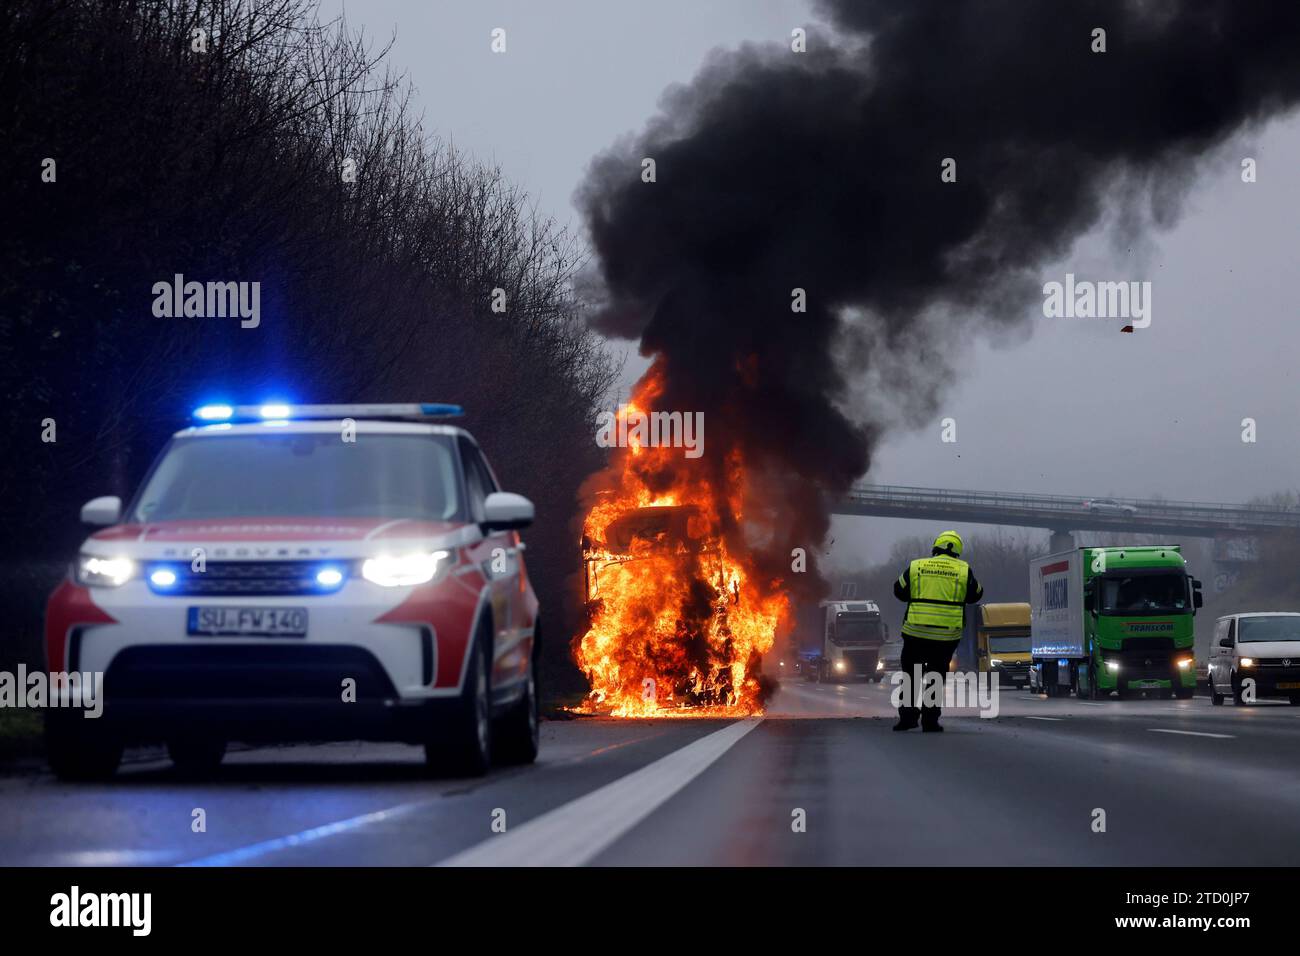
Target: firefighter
[(937, 590)]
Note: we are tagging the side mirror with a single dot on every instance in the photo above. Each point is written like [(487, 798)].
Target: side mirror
[(1197, 599), (102, 511), (1226, 642), (503, 511)]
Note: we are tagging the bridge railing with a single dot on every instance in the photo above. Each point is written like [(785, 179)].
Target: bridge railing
[(1175, 510)]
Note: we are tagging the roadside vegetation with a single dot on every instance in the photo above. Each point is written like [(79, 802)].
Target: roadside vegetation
[(246, 141)]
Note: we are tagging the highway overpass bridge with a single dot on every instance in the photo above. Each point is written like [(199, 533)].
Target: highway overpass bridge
[(1063, 515)]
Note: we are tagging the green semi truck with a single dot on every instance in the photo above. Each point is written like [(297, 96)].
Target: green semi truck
[(1113, 620)]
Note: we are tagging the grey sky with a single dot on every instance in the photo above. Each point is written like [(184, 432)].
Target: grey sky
[(1069, 406)]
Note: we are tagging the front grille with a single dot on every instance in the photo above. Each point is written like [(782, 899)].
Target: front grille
[(205, 672), (862, 662), (1278, 662), (248, 578)]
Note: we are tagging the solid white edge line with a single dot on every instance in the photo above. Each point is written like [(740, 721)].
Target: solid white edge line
[(1190, 733), (1028, 717), (578, 831)]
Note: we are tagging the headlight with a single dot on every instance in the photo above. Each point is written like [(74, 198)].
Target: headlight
[(1185, 663), (995, 661), (1112, 665), (1247, 662), (405, 570), (104, 572), (880, 665), (839, 665)]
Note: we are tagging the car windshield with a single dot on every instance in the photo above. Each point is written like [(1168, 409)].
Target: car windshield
[(1143, 594), (1009, 644), (857, 629), (303, 475), (1282, 628)]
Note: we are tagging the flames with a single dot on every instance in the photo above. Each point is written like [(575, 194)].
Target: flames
[(678, 615)]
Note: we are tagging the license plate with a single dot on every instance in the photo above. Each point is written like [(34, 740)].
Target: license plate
[(1288, 685), (1148, 683), (248, 621)]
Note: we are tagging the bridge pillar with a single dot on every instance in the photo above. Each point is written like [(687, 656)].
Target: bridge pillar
[(1061, 541)]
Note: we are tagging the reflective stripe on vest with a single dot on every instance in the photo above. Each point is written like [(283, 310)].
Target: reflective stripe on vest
[(936, 597)]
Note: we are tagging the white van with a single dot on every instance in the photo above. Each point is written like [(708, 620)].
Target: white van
[(1256, 655)]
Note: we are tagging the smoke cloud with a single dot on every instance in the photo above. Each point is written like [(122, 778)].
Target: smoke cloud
[(820, 171)]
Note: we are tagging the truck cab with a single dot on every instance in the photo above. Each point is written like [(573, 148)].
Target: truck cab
[(853, 635), (1116, 619), (996, 640)]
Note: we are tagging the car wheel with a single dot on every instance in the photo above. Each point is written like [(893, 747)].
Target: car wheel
[(1237, 698), (517, 734), (1215, 697), (196, 756), (78, 752), (463, 745)]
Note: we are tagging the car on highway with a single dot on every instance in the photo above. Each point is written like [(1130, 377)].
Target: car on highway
[(1109, 506), (318, 572), (1256, 655), (890, 659)]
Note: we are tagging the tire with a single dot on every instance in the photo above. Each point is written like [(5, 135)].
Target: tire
[(517, 734), (196, 756), (1095, 692), (1215, 697), (80, 753), (1237, 698), (463, 745)]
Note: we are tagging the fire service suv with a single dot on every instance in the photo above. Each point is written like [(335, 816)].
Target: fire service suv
[(318, 572)]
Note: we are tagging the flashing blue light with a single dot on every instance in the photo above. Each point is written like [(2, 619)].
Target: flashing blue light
[(329, 577), (213, 413), (441, 409), (163, 578), (275, 411)]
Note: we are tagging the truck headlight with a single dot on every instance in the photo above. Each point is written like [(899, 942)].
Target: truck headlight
[(1112, 665), (880, 665), (1184, 663), (839, 665), (405, 570), (1247, 662), (104, 572)]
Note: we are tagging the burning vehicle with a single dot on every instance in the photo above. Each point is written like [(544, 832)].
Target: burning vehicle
[(678, 618)]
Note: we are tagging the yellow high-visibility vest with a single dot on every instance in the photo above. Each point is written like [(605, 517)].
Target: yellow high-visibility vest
[(936, 597)]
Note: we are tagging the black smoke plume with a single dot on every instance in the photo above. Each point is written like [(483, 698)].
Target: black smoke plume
[(820, 170)]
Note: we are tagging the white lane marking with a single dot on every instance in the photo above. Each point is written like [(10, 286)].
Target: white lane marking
[(573, 834), (246, 853), (1190, 733), (1027, 717)]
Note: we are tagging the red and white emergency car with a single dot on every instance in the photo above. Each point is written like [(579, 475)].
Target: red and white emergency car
[(322, 572)]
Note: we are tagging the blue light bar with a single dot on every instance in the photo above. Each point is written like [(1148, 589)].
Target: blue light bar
[(213, 413), (280, 412)]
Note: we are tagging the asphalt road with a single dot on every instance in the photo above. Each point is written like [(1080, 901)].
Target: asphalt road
[(820, 780)]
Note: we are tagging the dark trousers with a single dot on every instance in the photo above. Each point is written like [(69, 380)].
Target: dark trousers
[(931, 656)]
